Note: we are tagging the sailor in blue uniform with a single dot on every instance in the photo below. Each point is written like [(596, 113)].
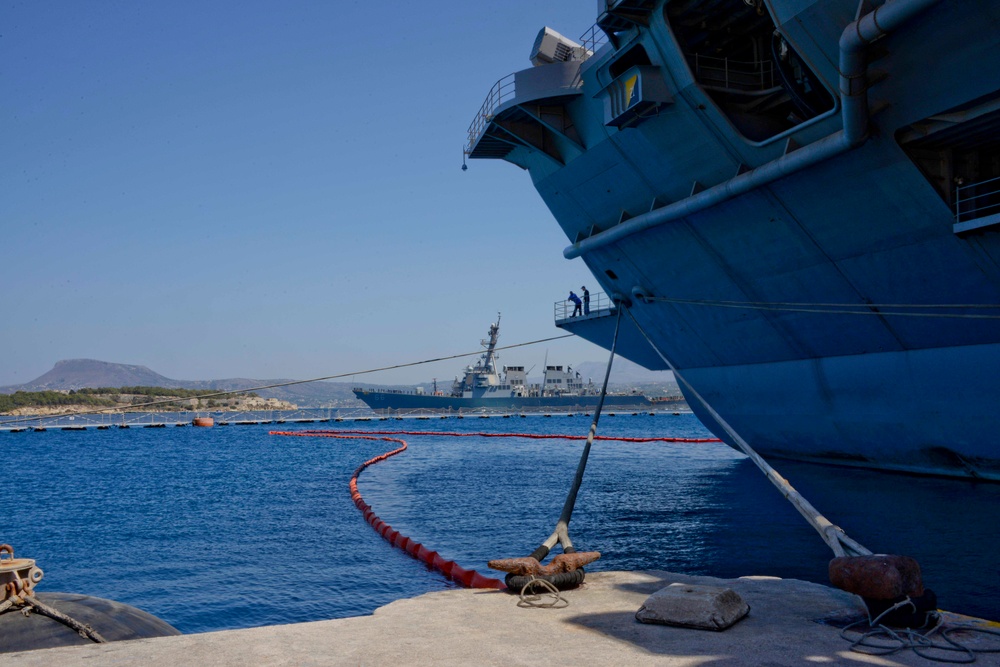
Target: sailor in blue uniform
[(576, 303)]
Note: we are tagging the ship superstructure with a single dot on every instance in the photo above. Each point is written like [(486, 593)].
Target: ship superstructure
[(797, 200)]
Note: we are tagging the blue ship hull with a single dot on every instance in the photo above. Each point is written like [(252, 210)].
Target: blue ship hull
[(823, 285), (868, 410)]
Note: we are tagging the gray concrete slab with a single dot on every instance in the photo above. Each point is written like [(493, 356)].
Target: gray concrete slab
[(476, 627)]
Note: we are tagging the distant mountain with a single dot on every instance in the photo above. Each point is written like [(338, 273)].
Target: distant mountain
[(80, 373)]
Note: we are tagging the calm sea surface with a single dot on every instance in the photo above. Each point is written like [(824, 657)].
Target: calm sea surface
[(230, 527)]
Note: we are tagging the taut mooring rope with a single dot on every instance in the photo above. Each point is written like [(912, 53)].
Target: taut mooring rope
[(561, 533), (833, 535)]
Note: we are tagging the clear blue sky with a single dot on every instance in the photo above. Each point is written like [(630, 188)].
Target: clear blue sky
[(250, 189)]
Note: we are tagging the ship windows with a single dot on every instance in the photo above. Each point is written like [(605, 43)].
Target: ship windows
[(747, 67), (958, 152)]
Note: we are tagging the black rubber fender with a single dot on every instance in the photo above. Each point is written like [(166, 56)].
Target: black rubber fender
[(563, 581), (115, 621)]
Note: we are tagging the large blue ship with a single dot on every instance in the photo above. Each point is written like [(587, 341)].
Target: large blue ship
[(797, 203), (483, 387)]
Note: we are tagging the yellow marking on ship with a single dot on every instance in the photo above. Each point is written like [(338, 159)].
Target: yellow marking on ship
[(629, 89)]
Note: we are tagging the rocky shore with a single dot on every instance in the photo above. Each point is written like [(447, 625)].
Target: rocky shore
[(220, 404)]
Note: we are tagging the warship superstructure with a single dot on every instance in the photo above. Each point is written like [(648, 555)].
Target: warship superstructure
[(798, 202), (482, 387)]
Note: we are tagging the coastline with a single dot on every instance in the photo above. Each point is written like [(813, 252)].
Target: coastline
[(243, 405)]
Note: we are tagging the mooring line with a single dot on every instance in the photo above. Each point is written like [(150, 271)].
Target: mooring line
[(568, 573), (835, 537), (561, 533)]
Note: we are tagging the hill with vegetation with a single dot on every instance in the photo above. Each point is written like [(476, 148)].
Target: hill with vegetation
[(47, 399), (131, 398), (78, 374)]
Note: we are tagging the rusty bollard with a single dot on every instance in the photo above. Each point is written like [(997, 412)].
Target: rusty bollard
[(879, 576), (882, 581)]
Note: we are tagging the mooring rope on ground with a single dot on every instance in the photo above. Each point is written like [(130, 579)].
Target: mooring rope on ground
[(879, 639), (449, 568), (534, 600)]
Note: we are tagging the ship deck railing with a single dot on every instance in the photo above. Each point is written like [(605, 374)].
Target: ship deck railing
[(734, 75), (504, 90), (977, 204), (601, 305), (374, 390), (593, 39)]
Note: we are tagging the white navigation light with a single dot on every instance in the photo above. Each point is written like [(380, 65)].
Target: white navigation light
[(551, 47)]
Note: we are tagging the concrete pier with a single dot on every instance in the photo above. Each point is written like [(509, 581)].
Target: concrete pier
[(479, 627)]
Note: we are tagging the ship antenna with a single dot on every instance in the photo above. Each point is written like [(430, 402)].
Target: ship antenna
[(490, 356)]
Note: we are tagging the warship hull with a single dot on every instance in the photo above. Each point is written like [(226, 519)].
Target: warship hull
[(828, 282), (416, 403)]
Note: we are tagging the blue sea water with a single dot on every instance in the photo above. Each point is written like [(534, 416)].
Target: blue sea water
[(230, 527)]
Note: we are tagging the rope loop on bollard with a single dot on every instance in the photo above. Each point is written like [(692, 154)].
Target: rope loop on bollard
[(533, 601)]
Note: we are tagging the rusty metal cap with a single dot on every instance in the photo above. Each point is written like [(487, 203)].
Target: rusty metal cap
[(10, 564), (18, 576)]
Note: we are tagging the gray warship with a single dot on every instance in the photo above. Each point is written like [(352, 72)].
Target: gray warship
[(482, 387)]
